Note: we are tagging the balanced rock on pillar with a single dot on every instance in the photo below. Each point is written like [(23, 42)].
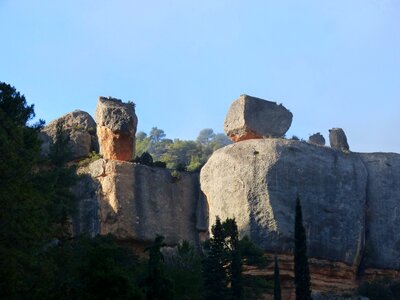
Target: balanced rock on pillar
[(254, 118), (116, 128)]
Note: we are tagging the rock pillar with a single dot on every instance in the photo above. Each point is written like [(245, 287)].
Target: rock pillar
[(116, 128)]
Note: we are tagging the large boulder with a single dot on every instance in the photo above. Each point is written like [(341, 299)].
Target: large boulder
[(338, 139), (137, 202), (252, 118), (116, 128), (257, 182), (382, 246), (80, 128)]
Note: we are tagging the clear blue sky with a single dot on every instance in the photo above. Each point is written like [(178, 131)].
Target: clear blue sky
[(332, 63)]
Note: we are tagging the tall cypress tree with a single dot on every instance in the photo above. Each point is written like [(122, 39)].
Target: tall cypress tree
[(277, 281), (301, 270)]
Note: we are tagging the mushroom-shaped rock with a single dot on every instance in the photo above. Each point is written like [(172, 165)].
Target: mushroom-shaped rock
[(317, 139), (338, 140), (254, 118), (80, 128), (116, 128)]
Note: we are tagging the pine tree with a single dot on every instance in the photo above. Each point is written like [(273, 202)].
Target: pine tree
[(235, 259), (277, 281), (301, 269), (214, 274), (158, 286)]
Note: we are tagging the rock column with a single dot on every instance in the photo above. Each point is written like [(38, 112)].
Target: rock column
[(116, 128)]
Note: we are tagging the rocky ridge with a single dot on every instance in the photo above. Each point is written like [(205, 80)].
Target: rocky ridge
[(350, 201)]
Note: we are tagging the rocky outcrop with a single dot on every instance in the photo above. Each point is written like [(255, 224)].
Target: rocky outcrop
[(138, 202), (317, 139), (252, 118), (382, 246), (80, 128), (257, 182), (338, 139), (116, 128)]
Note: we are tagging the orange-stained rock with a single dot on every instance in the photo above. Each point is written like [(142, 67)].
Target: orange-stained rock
[(115, 145), (116, 128)]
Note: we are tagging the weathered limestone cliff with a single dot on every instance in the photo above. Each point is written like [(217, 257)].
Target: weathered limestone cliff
[(350, 201), (137, 202)]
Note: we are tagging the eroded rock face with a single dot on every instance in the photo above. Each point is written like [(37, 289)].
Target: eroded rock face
[(338, 139), (252, 118), (317, 139), (138, 202), (257, 182), (81, 130), (382, 246), (116, 128)]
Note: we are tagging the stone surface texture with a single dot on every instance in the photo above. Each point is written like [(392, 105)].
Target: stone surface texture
[(317, 139), (138, 202), (81, 130), (116, 128), (257, 182), (382, 246), (255, 118), (338, 139)]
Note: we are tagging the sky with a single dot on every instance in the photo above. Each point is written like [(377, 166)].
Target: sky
[(331, 63)]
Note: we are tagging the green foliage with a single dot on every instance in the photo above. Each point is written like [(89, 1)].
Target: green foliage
[(380, 289), (180, 154), (91, 268), (214, 273), (184, 268), (301, 269), (277, 281), (157, 285), (147, 159), (251, 253), (93, 156)]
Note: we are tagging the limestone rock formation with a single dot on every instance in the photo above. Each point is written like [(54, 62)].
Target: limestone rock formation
[(382, 246), (81, 130), (116, 128), (317, 139), (338, 139), (137, 202), (252, 118), (257, 181)]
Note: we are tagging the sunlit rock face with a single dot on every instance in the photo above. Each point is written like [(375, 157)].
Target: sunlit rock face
[(137, 202), (116, 128), (254, 118), (80, 129), (257, 182)]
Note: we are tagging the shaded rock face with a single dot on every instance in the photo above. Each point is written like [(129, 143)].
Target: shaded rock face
[(252, 118), (338, 139), (138, 202), (257, 181), (317, 139), (382, 246), (86, 220), (81, 130), (116, 128)]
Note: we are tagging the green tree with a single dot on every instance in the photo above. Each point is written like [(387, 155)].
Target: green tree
[(277, 281), (23, 216), (157, 285), (184, 268), (205, 136), (235, 265), (214, 274), (301, 269)]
